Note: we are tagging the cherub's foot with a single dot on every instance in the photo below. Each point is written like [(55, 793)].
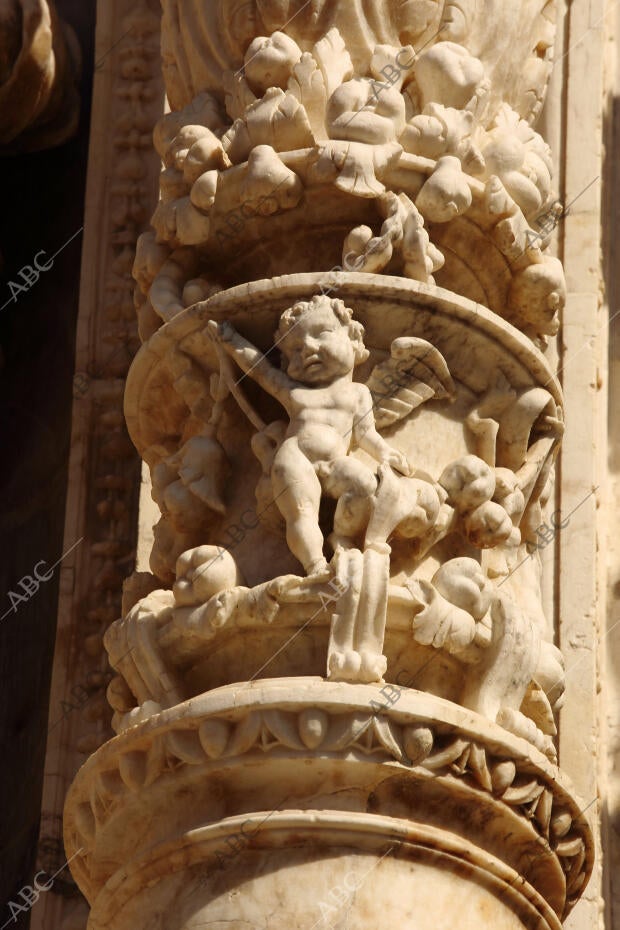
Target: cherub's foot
[(205, 620), (318, 567), (267, 606), (373, 666), (219, 608), (339, 543)]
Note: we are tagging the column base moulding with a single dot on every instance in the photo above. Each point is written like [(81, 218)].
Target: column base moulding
[(291, 788)]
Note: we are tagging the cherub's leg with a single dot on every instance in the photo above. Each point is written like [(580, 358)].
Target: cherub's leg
[(385, 508), (360, 659), (353, 485), (297, 494)]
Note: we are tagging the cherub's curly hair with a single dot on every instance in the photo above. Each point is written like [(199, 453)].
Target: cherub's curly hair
[(343, 314)]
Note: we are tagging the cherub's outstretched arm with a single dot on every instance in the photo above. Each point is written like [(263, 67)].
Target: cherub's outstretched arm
[(252, 361), (368, 438)]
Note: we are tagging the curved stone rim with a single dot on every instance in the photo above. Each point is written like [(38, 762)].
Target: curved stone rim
[(362, 831), (257, 296)]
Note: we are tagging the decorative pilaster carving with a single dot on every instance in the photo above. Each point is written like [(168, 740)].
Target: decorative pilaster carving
[(351, 430), (104, 470)]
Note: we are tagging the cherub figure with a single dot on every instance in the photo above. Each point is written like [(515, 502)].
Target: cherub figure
[(330, 415)]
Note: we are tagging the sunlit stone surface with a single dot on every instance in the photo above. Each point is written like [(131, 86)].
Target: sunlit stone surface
[(336, 690)]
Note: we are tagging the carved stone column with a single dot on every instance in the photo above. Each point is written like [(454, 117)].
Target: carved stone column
[(336, 692)]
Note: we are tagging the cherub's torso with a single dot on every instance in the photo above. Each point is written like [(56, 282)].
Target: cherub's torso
[(322, 418)]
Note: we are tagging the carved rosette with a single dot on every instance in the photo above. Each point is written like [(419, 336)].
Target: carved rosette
[(351, 426)]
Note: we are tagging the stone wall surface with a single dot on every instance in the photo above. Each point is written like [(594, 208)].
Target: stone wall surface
[(42, 216)]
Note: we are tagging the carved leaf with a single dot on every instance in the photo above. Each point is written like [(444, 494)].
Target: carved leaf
[(569, 848), (523, 794), (447, 755), (334, 60), (239, 96), (132, 767), (284, 727), (279, 120), (415, 373), (576, 882), (245, 735), (386, 734), (213, 735), (440, 624), (308, 86), (185, 745), (575, 876), (561, 822), (479, 767), (459, 766), (543, 810), (345, 730)]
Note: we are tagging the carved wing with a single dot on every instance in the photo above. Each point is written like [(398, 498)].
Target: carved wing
[(415, 373)]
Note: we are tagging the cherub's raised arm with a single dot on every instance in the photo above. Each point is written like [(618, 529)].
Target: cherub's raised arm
[(368, 438), (252, 361)]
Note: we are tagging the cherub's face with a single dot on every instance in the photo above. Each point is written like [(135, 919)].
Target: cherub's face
[(318, 348), (423, 516), (361, 113), (269, 61)]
